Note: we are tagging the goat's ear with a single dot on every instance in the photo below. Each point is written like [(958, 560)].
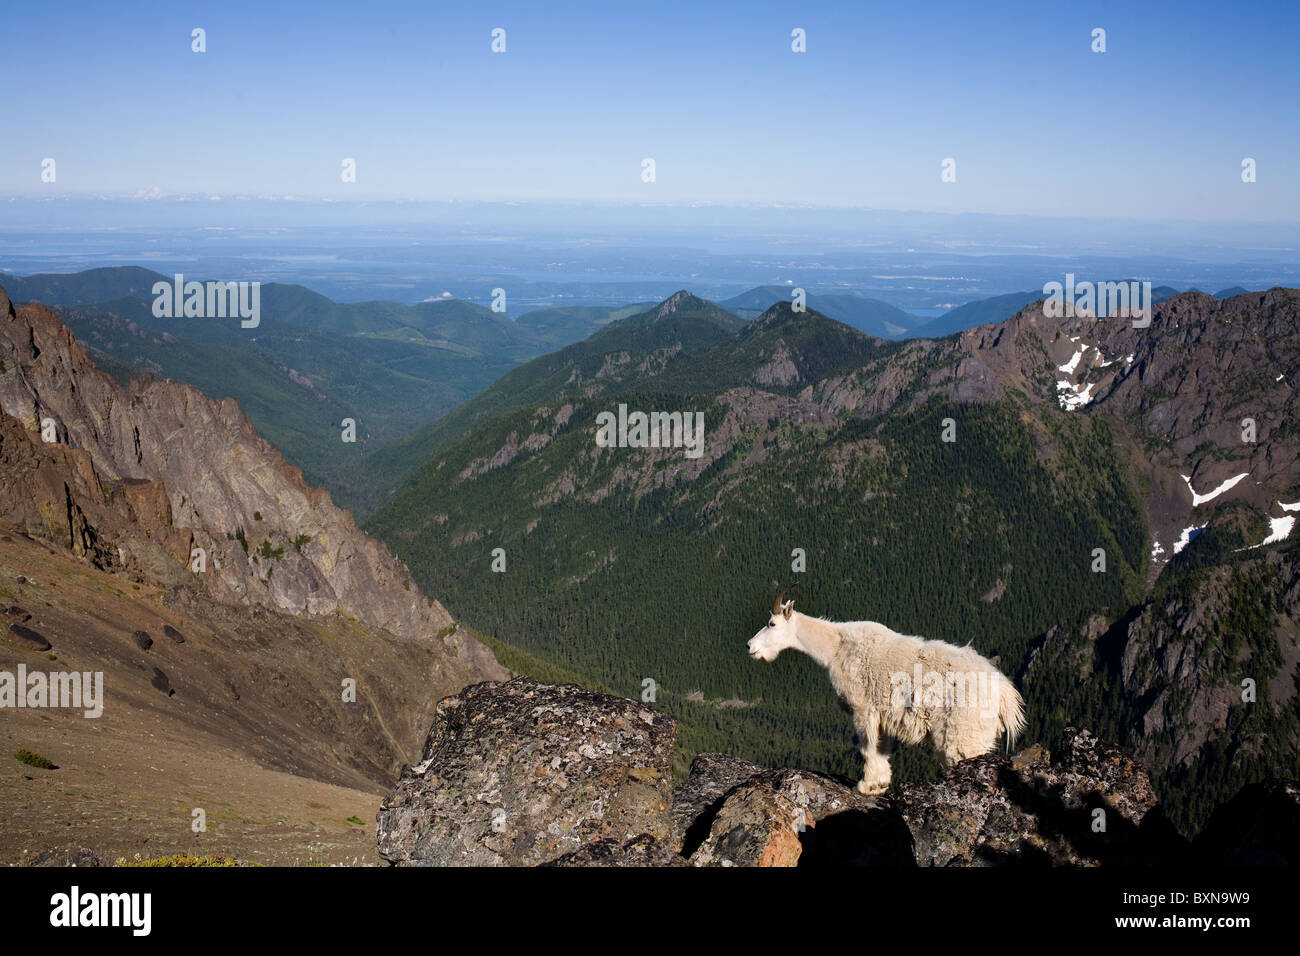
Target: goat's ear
[(787, 609)]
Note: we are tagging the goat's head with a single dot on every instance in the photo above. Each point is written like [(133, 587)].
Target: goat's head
[(777, 634)]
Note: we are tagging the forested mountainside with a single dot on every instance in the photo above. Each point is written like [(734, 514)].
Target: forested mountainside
[(1065, 493)]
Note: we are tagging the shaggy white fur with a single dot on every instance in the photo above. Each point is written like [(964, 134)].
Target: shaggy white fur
[(901, 687)]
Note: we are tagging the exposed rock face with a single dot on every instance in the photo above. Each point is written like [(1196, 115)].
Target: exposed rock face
[(117, 488), (643, 850), (1180, 661), (755, 826), (140, 477), (1088, 804), (523, 773), (1187, 383), (836, 824), (697, 799)]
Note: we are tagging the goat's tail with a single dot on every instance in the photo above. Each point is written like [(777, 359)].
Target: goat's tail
[(1011, 710)]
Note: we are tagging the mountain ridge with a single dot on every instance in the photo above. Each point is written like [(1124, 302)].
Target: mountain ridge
[(1070, 437)]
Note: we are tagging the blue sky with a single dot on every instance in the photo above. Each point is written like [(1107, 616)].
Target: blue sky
[(1154, 128)]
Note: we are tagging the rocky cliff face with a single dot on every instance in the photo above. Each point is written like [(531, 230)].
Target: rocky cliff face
[(158, 472), (1206, 391), (107, 495), (523, 773)]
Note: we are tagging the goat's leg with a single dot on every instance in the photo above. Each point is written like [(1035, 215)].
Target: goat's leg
[(876, 773)]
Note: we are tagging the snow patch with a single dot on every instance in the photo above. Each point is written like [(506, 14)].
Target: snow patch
[(1278, 529), (1188, 536), (1072, 397), (1226, 486), (1069, 367)]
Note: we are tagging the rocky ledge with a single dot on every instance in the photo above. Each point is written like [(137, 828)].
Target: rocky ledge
[(524, 773)]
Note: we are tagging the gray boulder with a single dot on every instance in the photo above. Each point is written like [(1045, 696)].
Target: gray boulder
[(522, 773)]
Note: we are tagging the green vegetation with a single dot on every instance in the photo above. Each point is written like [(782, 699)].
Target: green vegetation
[(519, 661), (23, 755), (270, 553)]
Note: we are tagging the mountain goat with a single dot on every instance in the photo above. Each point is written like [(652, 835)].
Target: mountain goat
[(900, 687)]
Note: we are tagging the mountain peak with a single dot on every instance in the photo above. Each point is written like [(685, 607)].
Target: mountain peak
[(783, 314), (681, 300)]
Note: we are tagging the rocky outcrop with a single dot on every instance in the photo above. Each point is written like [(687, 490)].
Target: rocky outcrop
[(523, 773), (1088, 804), (696, 801), (643, 850), (756, 825)]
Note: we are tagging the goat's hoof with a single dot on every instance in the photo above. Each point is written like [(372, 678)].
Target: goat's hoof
[(871, 789)]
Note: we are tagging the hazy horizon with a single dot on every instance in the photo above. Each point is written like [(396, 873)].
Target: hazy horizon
[(1037, 122)]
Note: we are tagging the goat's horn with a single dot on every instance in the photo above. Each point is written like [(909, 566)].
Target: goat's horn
[(776, 605)]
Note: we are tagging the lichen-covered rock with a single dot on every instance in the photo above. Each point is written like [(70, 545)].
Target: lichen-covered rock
[(698, 797), (836, 825), (643, 850), (755, 826), (521, 773), (841, 827), (1090, 803)]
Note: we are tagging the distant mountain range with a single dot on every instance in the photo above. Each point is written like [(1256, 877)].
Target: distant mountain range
[(395, 369)]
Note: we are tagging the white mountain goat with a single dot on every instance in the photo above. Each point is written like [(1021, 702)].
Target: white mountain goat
[(900, 687)]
